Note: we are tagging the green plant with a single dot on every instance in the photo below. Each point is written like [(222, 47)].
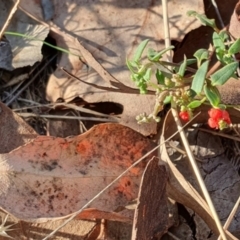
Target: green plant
[(173, 85)]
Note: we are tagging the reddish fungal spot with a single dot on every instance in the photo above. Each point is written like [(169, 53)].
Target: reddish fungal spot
[(83, 147)]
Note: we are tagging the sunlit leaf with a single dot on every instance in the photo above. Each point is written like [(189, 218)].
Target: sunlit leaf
[(235, 48), (203, 19), (140, 49), (131, 66), (147, 74), (155, 56)]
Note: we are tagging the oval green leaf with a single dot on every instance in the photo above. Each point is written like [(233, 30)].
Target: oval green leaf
[(218, 42), (194, 104), (235, 48), (139, 50), (211, 96), (199, 78), (222, 75), (201, 54)]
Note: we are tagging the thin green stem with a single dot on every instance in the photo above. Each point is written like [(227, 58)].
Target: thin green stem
[(37, 39)]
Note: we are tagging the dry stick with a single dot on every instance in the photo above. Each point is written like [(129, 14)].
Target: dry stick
[(166, 29), (115, 180), (14, 9), (227, 223), (198, 174)]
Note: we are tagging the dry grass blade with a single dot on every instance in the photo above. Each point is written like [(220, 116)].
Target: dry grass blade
[(231, 216), (66, 117), (166, 29), (14, 9)]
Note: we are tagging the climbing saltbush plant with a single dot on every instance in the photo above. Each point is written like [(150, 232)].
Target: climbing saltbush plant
[(173, 83)]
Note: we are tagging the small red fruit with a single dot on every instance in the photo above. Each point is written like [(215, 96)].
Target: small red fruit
[(184, 115), (218, 118)]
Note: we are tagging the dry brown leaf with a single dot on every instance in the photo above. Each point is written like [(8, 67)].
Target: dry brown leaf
[(111, 31), (51, 177), (14, 131), (151, 215)]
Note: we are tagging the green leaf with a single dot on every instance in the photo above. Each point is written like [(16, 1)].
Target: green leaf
[(203, 19), (223, 74), (147, 74), (199, 78), (201, 54), (139, 50), (167, 100), (220, 53), (194, 104), (223, 35), (164, 70), (131, 66), (160, 77), (211, 95), (182, 68), (155, 56), (235, 48), (218, 42)]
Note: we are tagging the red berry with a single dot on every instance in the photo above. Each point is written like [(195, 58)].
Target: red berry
[(215, 113), (225, 116), (218, 118), (212, 123), (184, 115)]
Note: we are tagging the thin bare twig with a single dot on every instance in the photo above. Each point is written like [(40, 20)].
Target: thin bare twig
[(14, 9), (218, 13)]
